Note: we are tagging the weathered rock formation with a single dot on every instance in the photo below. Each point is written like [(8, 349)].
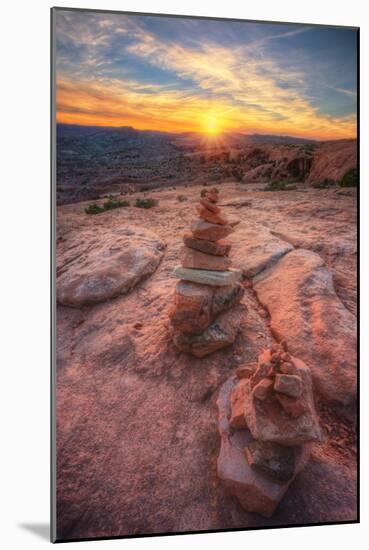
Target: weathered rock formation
[(207, 312), (333, 160), (267, 422), (100, 264), (299, 294)]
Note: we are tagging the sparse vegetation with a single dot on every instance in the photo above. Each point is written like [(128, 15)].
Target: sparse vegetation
[(280, 186), (110, 204), (181, 198), (203, 192), (349, 179), (115, 203), (146, 203), (94, 209)]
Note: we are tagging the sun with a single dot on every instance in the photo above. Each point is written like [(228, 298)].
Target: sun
[(212, 124)]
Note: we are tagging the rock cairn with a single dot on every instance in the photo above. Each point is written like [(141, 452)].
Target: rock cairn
[(267, 422), (207, 312)]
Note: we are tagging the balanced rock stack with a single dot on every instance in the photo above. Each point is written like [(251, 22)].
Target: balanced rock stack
[(267, 422), (207, 311)]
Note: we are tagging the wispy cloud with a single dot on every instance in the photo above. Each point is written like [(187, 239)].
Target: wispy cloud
[(242, 83)]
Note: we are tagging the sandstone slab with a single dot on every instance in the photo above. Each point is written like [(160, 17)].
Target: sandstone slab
[(195, 306), (194, 259), (210, 231), (100, 265), (207, 277), (220, 334), (255, 248), (218, 248), (268, 421), (255, 491), (305, 309)]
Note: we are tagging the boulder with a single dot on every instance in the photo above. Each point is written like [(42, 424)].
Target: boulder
[(194, 259), (255, 492), (218, 248), (220, 334), (100, 264), (210, 231), (255, 248), (299, 294), (207, 277), (267, 420), (195, 306)]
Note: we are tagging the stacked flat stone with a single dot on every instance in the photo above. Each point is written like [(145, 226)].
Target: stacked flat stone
[(267, 423), (206, 316)]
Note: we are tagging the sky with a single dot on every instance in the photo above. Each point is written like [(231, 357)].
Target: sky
[(197, 75)]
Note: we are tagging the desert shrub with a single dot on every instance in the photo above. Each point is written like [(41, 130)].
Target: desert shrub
[(115, 203), (146, 203), (94, 209), (203, 192), (110, 204), (279, 186), (181, 198), (349, 179), (324, 184)]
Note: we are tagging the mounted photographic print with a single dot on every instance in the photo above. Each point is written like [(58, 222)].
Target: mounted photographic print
[(204, 370)]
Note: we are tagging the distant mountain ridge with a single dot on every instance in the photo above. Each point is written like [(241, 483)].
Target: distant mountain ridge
[(77, 131)]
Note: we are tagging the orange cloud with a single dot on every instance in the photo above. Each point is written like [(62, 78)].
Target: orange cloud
[(112, 103)]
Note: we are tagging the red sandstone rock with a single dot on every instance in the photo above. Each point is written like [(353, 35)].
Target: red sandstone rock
[(212, 195), (262, 389), (219, 248), (220, 334), (209, 205), (103, 264), (196, 306), (238, 396), (210, 231), (192, 307), (245, 371), (268, 421), (304, 307), (210, 216), (289, 384), (287, 368), (193, 259), (255, 491), (293, 406)]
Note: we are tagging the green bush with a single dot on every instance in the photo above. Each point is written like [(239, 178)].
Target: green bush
[(279, 186), (94, 209), (108, 205), (146, 203), (115, 203), (181, 198), (349, 179)]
